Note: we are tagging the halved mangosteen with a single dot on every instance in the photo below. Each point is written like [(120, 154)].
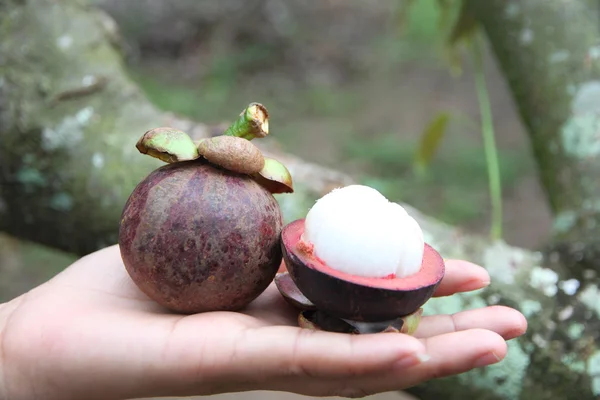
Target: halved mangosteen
[(361, 259)]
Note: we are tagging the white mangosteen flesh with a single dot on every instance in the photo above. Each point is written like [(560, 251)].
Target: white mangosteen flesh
[(356, 230)]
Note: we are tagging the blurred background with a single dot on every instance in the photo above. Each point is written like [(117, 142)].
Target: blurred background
[(352, 85), (386, 92)]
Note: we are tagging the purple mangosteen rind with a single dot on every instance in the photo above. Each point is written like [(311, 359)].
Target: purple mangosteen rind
[(198, 238), (356, 298), (310, 317), (291, 293)]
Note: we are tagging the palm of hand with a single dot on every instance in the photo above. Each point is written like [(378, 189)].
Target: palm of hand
[(90, 333)]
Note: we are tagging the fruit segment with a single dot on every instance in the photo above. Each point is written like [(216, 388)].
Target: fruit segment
[(356, 230)]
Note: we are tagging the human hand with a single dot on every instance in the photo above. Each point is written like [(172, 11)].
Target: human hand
[(90, 333)]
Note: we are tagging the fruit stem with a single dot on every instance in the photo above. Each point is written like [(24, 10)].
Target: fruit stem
[(252, 123)]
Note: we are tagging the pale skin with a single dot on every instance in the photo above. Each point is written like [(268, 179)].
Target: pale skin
[(90, 333)]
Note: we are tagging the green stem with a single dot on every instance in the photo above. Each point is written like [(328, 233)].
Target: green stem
[(252, 123), (487, 129)]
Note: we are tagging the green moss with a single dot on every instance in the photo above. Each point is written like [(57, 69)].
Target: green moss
[(530, 307), (579, 136), (590, 296), (565, 221), (30, 177), (593, 368), (544, 279), (575, 330), (549, 378), (574, 362)]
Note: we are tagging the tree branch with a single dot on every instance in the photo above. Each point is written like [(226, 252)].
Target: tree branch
[(549, 51)]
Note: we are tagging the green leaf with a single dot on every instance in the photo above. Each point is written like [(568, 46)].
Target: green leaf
[(462, 33), (464, 28), (430, 141)]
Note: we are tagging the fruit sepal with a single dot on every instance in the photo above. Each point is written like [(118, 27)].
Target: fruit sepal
[(310, 317), (168, 144), (275, 177), (232, 150), (320, 320)]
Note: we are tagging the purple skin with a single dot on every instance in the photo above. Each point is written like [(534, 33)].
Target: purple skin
[(355, 301), (291, 293), (198, 238)]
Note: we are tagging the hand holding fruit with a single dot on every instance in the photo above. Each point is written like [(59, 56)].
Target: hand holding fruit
[(90, 333), (185, 305)]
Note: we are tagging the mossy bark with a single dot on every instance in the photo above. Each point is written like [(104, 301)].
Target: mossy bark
[(559, 357), (69, 121), (550, 54)]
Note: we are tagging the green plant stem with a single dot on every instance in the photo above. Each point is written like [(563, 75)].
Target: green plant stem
[(487, 130), (252, 123)]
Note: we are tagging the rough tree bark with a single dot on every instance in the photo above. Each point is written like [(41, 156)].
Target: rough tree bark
[(549, 51), (69, 119)]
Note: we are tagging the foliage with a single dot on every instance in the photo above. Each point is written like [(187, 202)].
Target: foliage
[(460, 29), (430, 140)]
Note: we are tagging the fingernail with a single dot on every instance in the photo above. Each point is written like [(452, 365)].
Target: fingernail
[(412, 360), (489, 358)]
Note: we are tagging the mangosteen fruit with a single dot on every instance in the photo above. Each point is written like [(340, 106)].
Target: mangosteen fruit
[(358, 263), (202, 233)]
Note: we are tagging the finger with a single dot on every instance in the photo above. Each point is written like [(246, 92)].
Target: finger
[(286, 351), (506, 322), (450, 354), (458, 352), (462, 276), (285, 358)]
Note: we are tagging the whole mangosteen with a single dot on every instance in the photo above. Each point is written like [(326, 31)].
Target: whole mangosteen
[(202, 233), (358, 263)]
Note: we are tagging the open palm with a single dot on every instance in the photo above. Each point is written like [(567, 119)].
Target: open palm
[(90, 333)]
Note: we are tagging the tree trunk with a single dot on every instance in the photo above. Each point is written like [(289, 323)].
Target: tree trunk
[(69, 120), (549, 51)]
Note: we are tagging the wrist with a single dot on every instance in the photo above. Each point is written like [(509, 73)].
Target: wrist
[(3, 383), (8, 389)]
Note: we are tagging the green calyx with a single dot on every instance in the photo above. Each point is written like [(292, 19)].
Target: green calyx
[(275, 177), (232, 150), (233, 153), (168, 144)]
